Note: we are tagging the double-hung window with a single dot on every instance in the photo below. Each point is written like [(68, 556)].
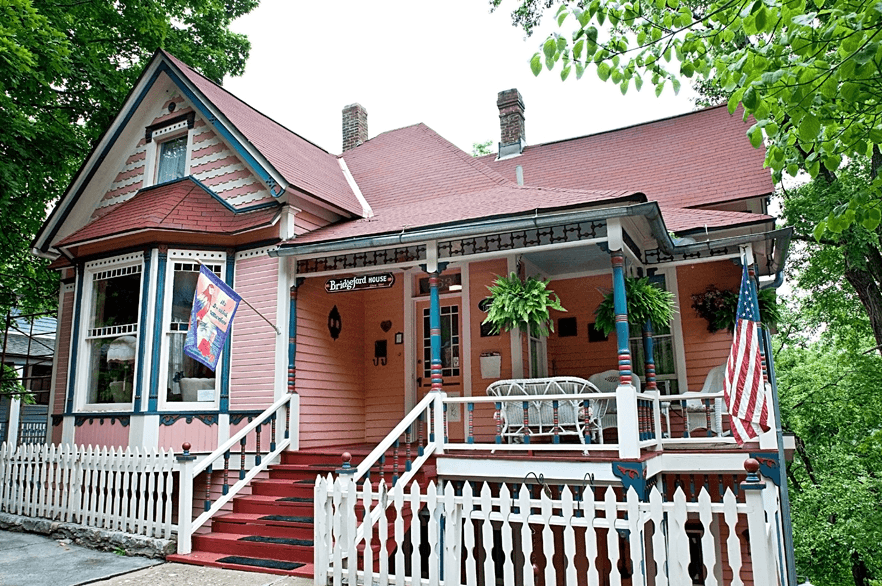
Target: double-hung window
[(172, 159), (187, 381), (113, 294)]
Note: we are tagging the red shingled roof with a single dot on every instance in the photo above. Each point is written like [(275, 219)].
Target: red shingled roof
[(182, 205), (413, 178), (301, 163), (697, 159), (682, 220)]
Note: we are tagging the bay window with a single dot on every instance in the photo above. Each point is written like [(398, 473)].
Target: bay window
[(113, 296)]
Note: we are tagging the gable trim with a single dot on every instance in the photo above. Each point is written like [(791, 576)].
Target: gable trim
[(271, 178)]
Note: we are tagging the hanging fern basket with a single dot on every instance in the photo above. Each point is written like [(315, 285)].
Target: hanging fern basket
[(522, 304), (646, 303)]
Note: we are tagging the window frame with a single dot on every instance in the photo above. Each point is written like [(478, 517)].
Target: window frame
[(187, 257), (157, 135), (84, 356)]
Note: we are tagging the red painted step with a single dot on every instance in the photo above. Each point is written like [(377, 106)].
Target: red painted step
[(271, 529)]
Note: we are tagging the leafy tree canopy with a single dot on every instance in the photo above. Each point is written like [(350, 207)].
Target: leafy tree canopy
[(65, 69), (808, 71)]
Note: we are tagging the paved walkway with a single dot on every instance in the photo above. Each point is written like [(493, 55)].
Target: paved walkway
[(35, 560)]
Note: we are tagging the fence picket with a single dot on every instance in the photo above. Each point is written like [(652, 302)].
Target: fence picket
[(452, 536), (636, 536), (569, 537), (351, 502), (589, 510), (659, 546), (709, 550), (678, 563), (368, 563), (524, 509), (487, 535), (469, 546), (547, 537), (733, 544), (507, 551), (612, 536), (435, 551), (337, 532)]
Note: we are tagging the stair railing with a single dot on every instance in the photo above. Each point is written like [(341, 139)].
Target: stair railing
[(278, 418), (427, 415)]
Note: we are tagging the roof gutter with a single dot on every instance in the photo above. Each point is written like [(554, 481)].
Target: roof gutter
[(649, 210)]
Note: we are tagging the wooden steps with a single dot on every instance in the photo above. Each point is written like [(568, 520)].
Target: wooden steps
[(271, 529)]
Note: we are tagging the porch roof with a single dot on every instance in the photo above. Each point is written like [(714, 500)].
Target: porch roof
[(184, 205)]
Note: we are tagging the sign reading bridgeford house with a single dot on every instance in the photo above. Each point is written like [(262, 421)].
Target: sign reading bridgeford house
[(360, 283)]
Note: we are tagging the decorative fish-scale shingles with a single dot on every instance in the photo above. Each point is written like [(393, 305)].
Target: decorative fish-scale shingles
[(216, 165)]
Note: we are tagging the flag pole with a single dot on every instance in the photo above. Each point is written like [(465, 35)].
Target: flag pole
[(245, 301)]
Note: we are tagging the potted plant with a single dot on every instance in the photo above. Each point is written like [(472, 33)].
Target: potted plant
[(646, 303), (719, 307), (522, 304)]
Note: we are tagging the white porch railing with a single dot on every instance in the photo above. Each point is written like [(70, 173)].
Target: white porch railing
[(444, 536), (119, 490), (278, 419)]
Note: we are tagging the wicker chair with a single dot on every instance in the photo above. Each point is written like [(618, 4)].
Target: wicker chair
[(540, 414)]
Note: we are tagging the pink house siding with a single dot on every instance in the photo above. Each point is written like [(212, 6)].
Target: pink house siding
[(384, 385), (330, 373), (575, 355), (482, 274), (102, 433), (202, 438), (252, 370), (62, 357), (703, 349)]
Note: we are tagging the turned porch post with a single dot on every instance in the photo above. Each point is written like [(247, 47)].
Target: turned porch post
[(434, 268), (626, 394)]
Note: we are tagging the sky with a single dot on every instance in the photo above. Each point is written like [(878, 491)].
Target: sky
[(409, 61)]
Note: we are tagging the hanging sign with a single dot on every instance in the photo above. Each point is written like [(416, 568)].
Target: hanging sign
[(360, 283), (214, 306)]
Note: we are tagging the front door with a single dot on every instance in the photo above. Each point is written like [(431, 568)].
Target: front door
[(451, 355)]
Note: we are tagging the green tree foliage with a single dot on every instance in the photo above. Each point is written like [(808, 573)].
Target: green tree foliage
[(830, 400), (841, 274), (808, 71), (479, 149), (65, 69)]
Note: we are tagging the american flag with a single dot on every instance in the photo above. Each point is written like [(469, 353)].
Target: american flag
[(744, 387)]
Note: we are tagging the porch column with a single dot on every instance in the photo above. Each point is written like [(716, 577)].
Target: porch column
[(649, 356), (626, 394), (435, 330)]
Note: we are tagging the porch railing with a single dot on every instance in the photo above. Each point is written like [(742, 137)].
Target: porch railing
[(249, 441), (464, 534), (108, 488)]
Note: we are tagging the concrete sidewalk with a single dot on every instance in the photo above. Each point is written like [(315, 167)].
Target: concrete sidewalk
[(35, 560)]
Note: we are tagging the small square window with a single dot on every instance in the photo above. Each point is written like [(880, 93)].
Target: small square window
[(172, 156), (566, 327)]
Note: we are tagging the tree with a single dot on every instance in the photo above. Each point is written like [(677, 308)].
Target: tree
[(479, 149), (65, 69), (807, 71), (842, 271), (830, 401)]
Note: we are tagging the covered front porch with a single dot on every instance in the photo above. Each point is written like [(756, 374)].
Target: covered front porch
[(378, 323)]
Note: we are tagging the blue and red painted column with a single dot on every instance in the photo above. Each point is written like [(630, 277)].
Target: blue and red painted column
[(620, 306)]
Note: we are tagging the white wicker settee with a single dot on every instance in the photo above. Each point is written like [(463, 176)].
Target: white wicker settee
[(540, 414)]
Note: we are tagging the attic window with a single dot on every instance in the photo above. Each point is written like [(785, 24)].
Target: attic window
[(172, 159)]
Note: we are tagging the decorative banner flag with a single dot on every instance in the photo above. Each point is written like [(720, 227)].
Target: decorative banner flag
[(744, 386), (214, 306)]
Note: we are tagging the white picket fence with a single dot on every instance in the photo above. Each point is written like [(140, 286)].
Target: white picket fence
[(440, 537), (119, 490)]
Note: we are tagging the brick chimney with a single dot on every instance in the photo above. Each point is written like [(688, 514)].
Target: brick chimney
[(511, 123), (355, 130)]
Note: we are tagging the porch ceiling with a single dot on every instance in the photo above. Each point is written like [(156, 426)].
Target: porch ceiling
[(568, 261)]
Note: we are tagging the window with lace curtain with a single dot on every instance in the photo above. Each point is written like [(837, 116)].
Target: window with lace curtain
[(187, 381)]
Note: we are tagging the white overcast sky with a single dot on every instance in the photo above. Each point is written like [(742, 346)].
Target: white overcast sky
[(410, 61)]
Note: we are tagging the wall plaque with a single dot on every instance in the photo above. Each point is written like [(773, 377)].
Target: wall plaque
[(360, 283)]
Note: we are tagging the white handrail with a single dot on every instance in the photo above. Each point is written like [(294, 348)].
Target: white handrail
[(393, 435), (259, 420)]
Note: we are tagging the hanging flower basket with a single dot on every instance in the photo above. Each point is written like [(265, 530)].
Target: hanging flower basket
[(646, 303), (521, 304), (719, 307)]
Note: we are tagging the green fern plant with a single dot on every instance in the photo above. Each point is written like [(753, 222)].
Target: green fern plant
[(522, 304), (646, 302)]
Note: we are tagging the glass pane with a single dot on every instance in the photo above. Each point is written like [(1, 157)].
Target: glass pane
[(664, 356), (112, 369), (172, 155), (115, 301), (187, 377)]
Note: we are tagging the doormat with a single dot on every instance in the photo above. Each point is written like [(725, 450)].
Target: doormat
[(278, 540), (258, 563), (287, 519)]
